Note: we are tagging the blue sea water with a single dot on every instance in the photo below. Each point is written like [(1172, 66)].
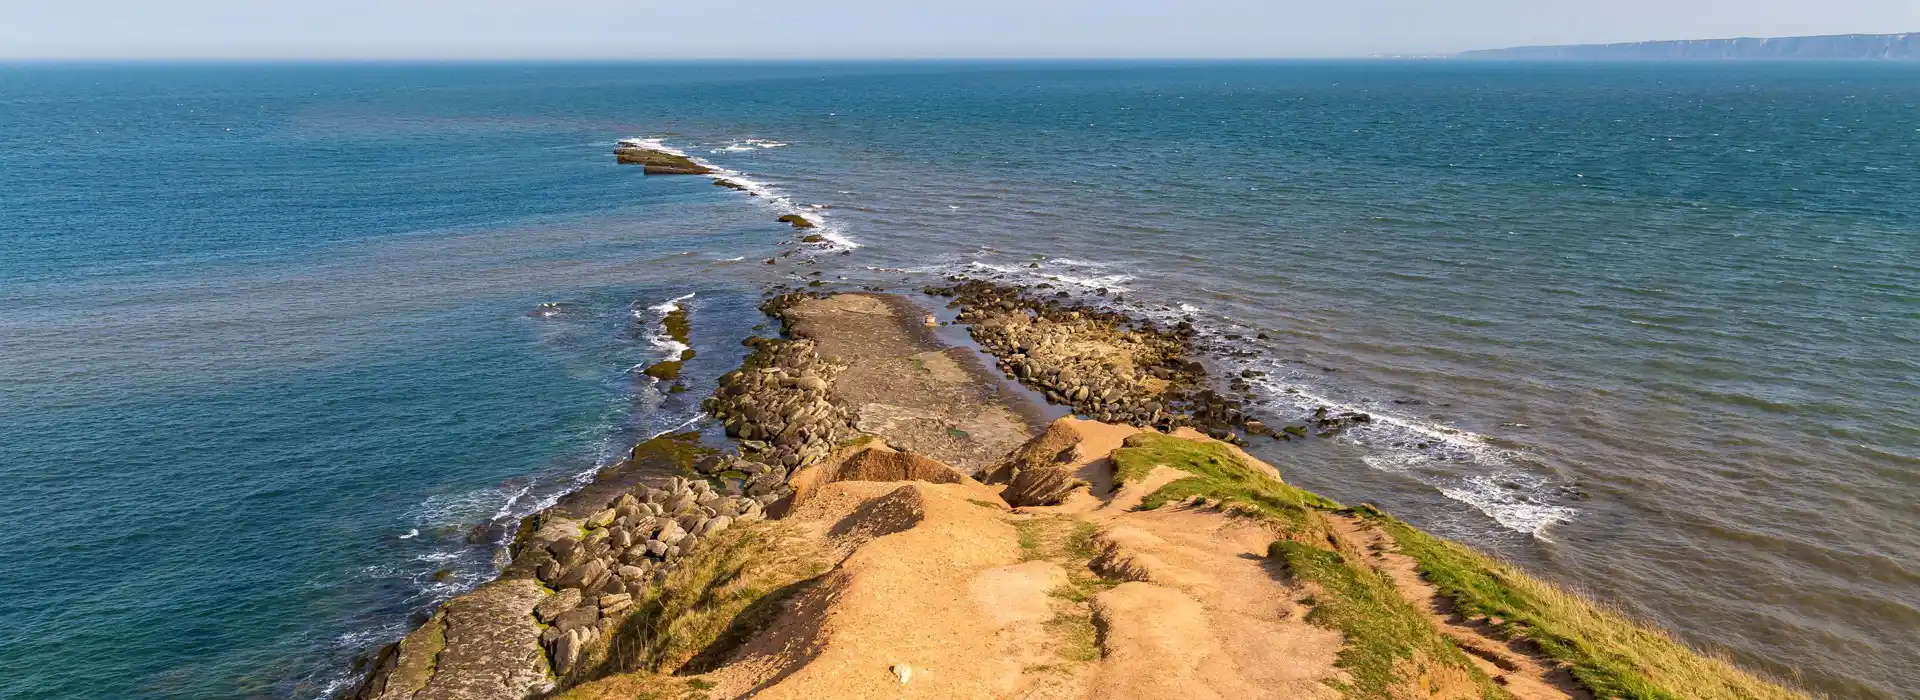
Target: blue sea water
[(270, 385)]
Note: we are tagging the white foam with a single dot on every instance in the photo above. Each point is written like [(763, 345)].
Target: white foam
[(1108, 282), (833, 239), (672, 305), (733, 259), (411, 533), (749, 145), (506, 509), (1505, 497)]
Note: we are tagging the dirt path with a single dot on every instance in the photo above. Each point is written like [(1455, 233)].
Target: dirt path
[(1522, 670), (1204, 613), (908, 387)]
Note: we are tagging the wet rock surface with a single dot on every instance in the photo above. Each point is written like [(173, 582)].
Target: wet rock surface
[(657, 162), (1112, 367), (905, 384)]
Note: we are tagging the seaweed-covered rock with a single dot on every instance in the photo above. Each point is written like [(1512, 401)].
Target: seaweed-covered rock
[(658, 162)]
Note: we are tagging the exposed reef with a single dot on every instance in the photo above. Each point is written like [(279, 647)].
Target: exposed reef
[(1113, 367), (658, 162)]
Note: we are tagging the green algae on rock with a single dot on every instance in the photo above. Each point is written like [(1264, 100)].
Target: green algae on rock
[(657, 162)]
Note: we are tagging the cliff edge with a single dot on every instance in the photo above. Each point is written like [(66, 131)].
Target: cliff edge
[(898, 521)]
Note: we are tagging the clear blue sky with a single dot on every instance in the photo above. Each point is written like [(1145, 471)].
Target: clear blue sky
[(507, 29)]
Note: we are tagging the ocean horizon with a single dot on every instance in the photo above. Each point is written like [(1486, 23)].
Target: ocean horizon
[(291, 347)]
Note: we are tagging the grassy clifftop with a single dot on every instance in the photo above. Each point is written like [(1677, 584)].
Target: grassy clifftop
[(1606, 653)]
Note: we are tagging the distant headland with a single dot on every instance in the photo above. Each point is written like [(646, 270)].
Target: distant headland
[(1837, 47)]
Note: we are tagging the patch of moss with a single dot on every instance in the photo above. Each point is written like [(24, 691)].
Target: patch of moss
[(674, 451), (1609, 654)]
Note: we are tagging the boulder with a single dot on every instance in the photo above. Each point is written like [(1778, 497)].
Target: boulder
[(583, 575), (671, 534), (578, 617), (608, 601), (714, 526), (566, 651), (554, 605)]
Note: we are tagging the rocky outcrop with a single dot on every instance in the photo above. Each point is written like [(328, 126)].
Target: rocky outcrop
[(571, 581), (797, 220), (779, 406), (871, 459), (1111, 367), (1064, 462), (658, 162)]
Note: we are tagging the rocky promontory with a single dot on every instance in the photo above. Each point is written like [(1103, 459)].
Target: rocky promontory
[(889, 515)]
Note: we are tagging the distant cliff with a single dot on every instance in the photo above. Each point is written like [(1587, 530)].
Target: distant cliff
[(1838, 47)]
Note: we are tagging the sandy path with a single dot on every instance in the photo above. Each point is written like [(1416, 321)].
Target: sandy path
[(1211, 580)]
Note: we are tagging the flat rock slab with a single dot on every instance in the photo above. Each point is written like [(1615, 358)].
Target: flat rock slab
[(493, 646), (908, 387)]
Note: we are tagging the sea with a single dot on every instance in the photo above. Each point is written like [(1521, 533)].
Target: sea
[(286, 349)]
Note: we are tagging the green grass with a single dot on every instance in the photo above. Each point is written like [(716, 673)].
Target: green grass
[(717, 598), (1218, 475), (1068, 542), (1609, 654), (1030, 534), (639, 686), (1390, 646), (1388, 642)]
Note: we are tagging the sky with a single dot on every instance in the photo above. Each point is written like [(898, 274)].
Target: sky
[(608, 29)]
